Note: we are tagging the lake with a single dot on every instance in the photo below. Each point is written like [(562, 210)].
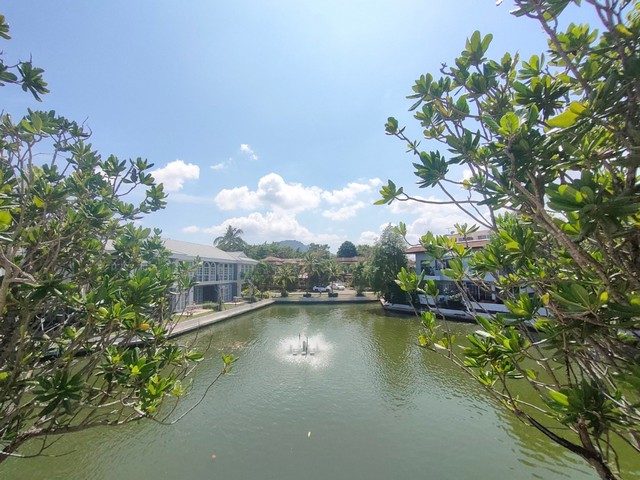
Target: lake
[(368, 404)]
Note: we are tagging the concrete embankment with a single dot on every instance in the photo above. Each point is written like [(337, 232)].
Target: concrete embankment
[(193, 324)]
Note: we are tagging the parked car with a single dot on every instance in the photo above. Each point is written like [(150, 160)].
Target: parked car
[(320, 288), (338, 286)]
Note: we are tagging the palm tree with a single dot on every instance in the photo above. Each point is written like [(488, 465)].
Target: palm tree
[(231, 240), (285, 277), (360, 278), (332, 270), (312, 268)]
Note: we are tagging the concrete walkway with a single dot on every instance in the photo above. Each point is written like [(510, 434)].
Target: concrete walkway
[(187, 326), (193, 324)]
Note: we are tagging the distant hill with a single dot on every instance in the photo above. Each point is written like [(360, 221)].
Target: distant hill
[(295, 244)]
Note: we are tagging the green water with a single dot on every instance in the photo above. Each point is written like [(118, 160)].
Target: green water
[(376, 407)]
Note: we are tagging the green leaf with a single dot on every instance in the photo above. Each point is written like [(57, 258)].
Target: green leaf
[(568, 117), (5, 219), (509, 123), (559, 398)]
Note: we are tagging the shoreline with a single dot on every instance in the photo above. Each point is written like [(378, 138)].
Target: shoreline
[(188, 326)]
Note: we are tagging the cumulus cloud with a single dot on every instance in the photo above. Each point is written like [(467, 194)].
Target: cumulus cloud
[(175, 173), (217, 166), (237, 198), (438, 219), (345, 212), (346, 194), (272, 192), (368, 238), (274, 226), (275, 192), (246, 149)]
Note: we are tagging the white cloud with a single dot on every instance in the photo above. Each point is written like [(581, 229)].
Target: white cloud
[(217, 166), (438, 219), (368, 238), (416, 208), (175, 173), (350, 192), (346, 194), (273, 193), (344, 213), (237, 198), (191, 229), (273, 226), (245, 148)]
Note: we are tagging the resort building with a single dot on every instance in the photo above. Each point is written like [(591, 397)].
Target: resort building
[(431, 267), (219, 276), (450, 301)]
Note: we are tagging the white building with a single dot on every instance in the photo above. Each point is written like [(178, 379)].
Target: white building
[(219, 276)]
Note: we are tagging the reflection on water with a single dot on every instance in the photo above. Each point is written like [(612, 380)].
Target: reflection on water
[(367, 404)]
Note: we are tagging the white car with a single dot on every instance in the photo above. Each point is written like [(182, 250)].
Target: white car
[(338, 286), (320, 288)]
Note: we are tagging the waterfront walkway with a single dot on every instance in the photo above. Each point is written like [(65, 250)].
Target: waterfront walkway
[(186, 326)]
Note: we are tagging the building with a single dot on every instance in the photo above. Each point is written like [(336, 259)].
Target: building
[(432, 267), (219, 276), (450, 302)]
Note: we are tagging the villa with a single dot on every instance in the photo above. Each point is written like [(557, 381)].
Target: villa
[(220, 275)]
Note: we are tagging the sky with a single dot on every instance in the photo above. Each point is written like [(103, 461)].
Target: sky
[(267, 115)]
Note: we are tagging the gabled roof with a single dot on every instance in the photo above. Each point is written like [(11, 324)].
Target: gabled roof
[(349, 260), (187, 251), (473, 242)]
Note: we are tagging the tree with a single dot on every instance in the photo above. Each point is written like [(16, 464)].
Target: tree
[(360, 278), (231, 240), (80, 283), (273, 249), (387, 259), (347, 250), (262, 276), (331, 269), (312, 268), (285, 277), (364, 251), (28, 77), (554, 141), (321, 251)]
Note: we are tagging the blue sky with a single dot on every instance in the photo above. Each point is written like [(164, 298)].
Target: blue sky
[(264, 114)]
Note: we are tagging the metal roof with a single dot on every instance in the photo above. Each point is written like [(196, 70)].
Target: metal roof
[(210, 253)]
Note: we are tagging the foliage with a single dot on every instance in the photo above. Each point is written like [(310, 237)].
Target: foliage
[(231, 240), (554, 140), (273, 249), (332, 271), (85, 295), (387, 259), (365, 251), (262, 276), (313, 268), (21, 73), (320, 251), (347, 250), (286, 277), (360, 278)]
